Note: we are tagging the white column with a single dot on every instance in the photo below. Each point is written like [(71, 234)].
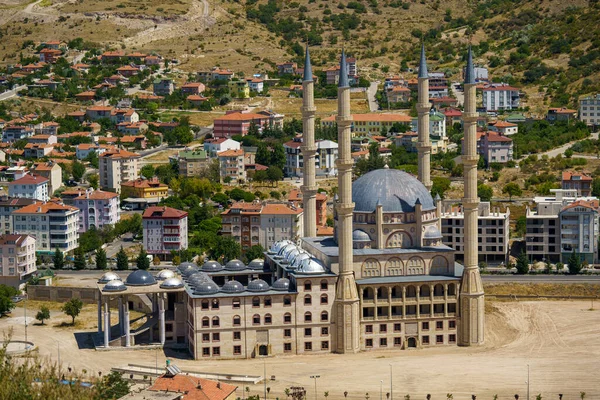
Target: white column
[(161, 318), (106, 323), (120, 309), (126, 323), (100, 313)]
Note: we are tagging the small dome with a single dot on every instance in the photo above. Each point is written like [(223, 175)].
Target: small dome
[(171, 283), (285, 249), (211, 266), (432, 232), (282, 284), (140, 278), (258, 285), (359, 235), (165, 274), (278, 245), (198, 277), (292, 254), (232, 287), (109, 276), (187, 268), (257, 264), (311, 266), (298, 259), (206, 288), (235, 265), (114, 286)]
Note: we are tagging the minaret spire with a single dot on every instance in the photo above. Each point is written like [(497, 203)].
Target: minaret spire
[(472, 310), (347, 316), (423, 107), (309, 150)]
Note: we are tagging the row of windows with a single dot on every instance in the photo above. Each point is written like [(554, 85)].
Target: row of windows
[(267, 302), (439, 339), (268, 319), (439, 325), (237, 350)]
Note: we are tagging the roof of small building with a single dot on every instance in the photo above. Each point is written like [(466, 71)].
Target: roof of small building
[(193, 387), (16, 239), (231, 153), (44, 208), (97, 195), (119, 153), (163, 212), (580, 176), (29, 180)]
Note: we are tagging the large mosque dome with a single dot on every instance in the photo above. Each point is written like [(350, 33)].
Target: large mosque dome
[(395, 190)]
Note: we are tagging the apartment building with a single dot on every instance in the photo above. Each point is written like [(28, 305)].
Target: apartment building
[(163, 87), (165, 230), (579, 181), (504, 128), (494, 147), (589, 110), (97, 208), (262, 224), (117, 166), (7, 206), (54, 225), (144, 189), (239, 89), (493, 231), (371, 124), (499, 97), (51, 171), (231, 165), (561, 224), (215, 145), (325, 157), (12, 133), (17, 258), (238, 123), (29, 187), (295, 199), (192, 162)]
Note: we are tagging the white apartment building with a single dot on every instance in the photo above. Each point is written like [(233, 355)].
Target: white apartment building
[(51, 171), (17, 258), (589, 110), (216, 145), (327, 152), (7, 206), (97, 208), (500, 96), (118, 166), (29, 187), (262, 224), (561, 224), (493, 232), (53, 224), (165, 230), (231, 165), (83, 150)]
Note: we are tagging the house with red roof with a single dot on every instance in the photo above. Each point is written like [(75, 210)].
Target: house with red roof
[(504, 128), (96, 208), (29, 187), (165, 230), (579, 181), (494, 147)]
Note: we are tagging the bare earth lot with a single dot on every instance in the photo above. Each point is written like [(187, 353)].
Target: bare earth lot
[(560, 340)]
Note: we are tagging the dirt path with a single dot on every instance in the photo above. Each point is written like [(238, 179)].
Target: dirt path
[(197, 19)]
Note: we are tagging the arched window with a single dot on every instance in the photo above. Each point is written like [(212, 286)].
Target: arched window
[(215, 304), (237, 320), (396, 292), (256, 319), (324, 316), (438, 290), (307, 317), (287, 318), (411, 291), (267, 302), (324, 299), (382, 293), (416, 266), (452, 289), (235, 302), (368, 293), (268, 319), (439, 266), (307, 300), (205, 322), (255, 302), (215, 321), (424, 291), (205, 304), (394, 267), (287, 301), (324, 284), (307, 286)]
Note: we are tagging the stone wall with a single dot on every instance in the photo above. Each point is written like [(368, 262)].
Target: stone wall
[(62, 293)]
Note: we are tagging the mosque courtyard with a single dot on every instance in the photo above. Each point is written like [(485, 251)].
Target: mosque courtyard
[(560, 340)]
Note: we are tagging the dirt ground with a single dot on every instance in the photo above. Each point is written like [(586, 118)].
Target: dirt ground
[(558, 339)]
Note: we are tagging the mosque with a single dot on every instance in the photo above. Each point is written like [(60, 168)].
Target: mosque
[(383, 281)]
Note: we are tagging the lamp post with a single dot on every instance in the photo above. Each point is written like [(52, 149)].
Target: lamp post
[(381, 390), (315, 377), (25, 311), (265, 374), (391, 384), (58, 350), (527, 381)]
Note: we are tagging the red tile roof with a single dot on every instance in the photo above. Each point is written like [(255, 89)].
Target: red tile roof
[(163, 212), (194, 388), (43, 208), (97, 195), (29, 180), (231, 153), (568, 175)]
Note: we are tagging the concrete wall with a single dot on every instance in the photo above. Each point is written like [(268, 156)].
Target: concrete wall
[(62, 293)]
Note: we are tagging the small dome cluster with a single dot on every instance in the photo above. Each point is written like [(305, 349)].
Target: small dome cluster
[(113, 283), (140, 278), (296, 258)]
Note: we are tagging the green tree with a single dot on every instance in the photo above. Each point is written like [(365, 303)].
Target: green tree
[(92, 158), (254, 252), (440, 186), (485, 192), (522, 263), (58, 259), (93, 180), (142, 260), (278, 158), (147, 171), (122, 260), (112, 386), (263, 155), (596, 187), (6, 295), (79, 262), (101, 261), (226, 248), (512, 189), (521, 226), (274, 174), (78, 170), (574, 263), (72, 308), (43, 314), (260, 176)]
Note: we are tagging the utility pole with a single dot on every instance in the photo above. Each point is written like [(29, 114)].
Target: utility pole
[(527, 381), (265, 374), (25, 310), (391, 384), (315, 377)]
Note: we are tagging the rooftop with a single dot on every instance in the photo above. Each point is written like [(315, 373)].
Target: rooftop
[(163, 212)]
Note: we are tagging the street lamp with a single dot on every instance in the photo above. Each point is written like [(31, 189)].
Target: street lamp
[(315, 377), (527, 382), (58, 349), (381, 390), (391, 384)]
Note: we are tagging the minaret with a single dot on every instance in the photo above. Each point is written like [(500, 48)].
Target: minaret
[(423, 108), (309, 149), (472, 311), (346, 296)]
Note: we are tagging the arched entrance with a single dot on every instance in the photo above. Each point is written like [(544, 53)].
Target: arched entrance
[(411, 343), (263, 350)]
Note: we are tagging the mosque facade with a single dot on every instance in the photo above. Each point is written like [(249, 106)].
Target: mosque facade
[(384, 280)]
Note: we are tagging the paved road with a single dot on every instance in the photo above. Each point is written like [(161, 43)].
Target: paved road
[(541, 279), (371, 92), (561, 150), (11, 93)]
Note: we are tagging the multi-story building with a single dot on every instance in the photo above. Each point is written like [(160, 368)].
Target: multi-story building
[(239, 89), (163, 87), (437, 125), (215, 145), (262, 224), (51, 171), (37, 150), (589, 110), (29, 187), (365, 124), (504, 128), (141, 188), (7, 206), (579, 230), (398, 94), (295, 198), (238, 123), (193, 88), (579, 181), (493, 232), (481, 73), (561, 114), (17, 258), (192, 162), (324, 159), (12, 133), (498, 97), (117, 166), (288, 68), (256, 84), (214, 74), (97, 208), (54, 225), (494, 147), (165, 230), (231, 165)]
